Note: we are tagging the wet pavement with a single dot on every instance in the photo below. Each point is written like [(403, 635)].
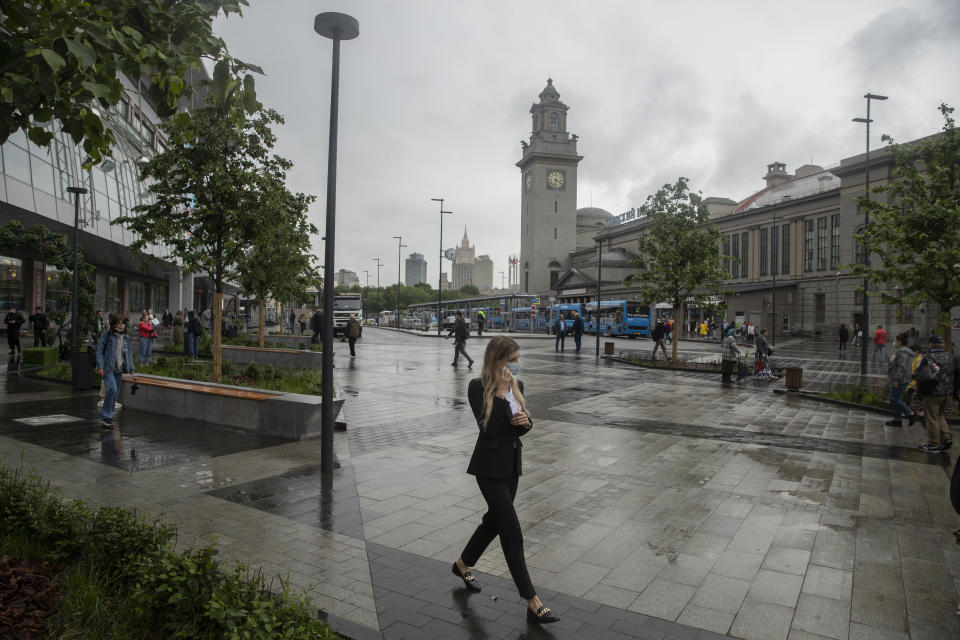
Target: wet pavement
[(654, 504)]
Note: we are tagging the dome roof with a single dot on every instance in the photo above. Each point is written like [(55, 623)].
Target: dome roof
[(594, 212)]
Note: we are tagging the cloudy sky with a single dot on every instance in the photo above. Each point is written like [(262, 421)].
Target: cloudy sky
[(434, 101)]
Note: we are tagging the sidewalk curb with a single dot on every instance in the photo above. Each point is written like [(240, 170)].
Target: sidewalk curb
[(430, 334), (843, 403), (648, 366)]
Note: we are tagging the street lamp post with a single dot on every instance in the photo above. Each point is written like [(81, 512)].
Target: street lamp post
[(379, 264), (400, 246), (596, 322), (74, 293), (774, 269), (866, 223), (366, 285), (440, 268), (337, 27)]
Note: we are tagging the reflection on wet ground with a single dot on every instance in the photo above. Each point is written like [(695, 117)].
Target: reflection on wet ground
[(138, 441)]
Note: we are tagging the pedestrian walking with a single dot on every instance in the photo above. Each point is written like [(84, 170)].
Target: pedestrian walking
[(292, 321), (898, 374), (146, 331), (857, 334), (207, 319), (703, 329), (114, 358), (352, 332), (40, 324), (461, 335), (316, 325), (178, 329), (577, 330), (729, 357), (761, 362), (879, 344), (13, 322), (657, 336), (560, 328), (192, 334), (936, 397), (302, 319), (496, 399), (843, 335), (751, 333), (167, 322), (481, 322), (98, 324)]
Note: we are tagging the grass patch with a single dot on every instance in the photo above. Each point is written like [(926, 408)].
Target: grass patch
[(860, 395), (121, 578)]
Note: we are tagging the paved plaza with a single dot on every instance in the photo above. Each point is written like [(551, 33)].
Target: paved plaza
[(657, 505)]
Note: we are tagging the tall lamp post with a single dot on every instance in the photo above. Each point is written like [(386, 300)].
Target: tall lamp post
[(866, 223), (440, 268), (337, 27), (74, 351), (366, 286), (400, 246), (596, 323), (774, 269), (379, 264)]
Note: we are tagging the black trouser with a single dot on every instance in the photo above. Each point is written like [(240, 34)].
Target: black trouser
[(458, 348), (501, 520), (353, 341), (315, 339), (577, 337), (843, 344), (561, 337), (39, 338), (13, 339), (726, 368)]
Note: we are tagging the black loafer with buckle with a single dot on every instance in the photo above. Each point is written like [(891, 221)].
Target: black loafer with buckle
[(469, 581), (543, 615)]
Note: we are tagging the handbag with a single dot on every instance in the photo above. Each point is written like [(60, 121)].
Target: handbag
[(927, 376)]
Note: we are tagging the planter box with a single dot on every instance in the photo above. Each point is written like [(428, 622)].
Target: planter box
[(40, 356), (292, 341), (284, 358), (288, 415)]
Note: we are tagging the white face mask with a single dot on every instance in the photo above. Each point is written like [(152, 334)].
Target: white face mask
[(514, 368)]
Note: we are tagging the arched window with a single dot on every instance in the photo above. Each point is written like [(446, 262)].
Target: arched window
[(555, 121)]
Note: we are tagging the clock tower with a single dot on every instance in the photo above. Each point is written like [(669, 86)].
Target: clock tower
[(548, 200)]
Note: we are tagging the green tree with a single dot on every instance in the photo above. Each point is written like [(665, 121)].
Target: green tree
[(280, 262), (470, 290), (679, 254), (205, 188), (62, 57), (916, 233)]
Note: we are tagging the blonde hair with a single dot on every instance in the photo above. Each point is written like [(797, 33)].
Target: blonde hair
[(498, 351)]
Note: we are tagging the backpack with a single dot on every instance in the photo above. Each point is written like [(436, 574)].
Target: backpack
[(927, 376)]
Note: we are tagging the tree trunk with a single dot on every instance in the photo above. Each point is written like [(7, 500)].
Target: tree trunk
[(283, 318), (676, 333), (945, 326), (260, 328), (217, 325)]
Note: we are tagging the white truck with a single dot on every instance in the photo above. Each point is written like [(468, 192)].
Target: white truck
[(345, 305)]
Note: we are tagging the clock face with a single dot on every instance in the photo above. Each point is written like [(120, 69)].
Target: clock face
[(555, 180), (528, 181)]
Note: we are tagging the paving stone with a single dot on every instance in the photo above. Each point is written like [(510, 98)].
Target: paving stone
[(880, 609), (773, 587), (822, 616), (721, 593), (762, 621), (663, 599), (828, 582)]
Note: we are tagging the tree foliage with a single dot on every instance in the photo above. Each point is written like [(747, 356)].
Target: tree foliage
[(916, 234), (56, 250), (209, 188), (280, 263), (61, 57), (679, 255)]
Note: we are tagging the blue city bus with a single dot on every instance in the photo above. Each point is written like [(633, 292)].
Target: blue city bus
[(618, 318), (565, 308), (521, 320)]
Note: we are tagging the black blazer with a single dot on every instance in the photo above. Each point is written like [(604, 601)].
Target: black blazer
[(497, 452)]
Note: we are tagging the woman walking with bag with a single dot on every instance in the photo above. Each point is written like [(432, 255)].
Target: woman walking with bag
[(496, 399)]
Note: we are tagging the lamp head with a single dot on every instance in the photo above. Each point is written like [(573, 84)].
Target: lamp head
[(874, 96)]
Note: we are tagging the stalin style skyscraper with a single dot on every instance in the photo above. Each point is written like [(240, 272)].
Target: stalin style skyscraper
[(548, 202)]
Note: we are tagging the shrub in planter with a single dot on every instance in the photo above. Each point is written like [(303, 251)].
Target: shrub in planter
[(40, 356)]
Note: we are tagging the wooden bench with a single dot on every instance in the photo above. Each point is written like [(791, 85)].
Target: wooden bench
[(199, 387)]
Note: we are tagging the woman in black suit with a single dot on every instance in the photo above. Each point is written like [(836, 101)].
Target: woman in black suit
[(497, 402)]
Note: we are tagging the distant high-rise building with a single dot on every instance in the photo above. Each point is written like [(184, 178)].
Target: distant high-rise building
[(416, 270), (444, 281), (463, 265), (347, 278), (483, 273)]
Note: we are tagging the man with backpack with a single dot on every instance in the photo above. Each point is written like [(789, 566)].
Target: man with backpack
[(938, 378), (460, 333), (659, 331)]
